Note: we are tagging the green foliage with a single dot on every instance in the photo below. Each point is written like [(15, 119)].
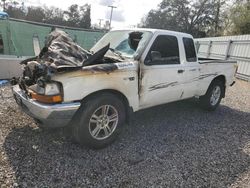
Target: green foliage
[(240, 16), (36, 14), (85, 20), (197, 17), (75, 16), (54, 16), (79, 15)]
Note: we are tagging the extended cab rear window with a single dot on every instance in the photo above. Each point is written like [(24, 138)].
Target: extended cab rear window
[(165, 50), (189, 49)]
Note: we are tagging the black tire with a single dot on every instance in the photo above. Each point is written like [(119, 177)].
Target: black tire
[(206, 101), (82, 126)]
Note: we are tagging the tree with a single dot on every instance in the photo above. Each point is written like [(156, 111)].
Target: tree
[(35, 14), (14, 9), (75, 16), (196, 17), (72, 15), (85, 20), (240, 16), (78, 16), (54, 16)]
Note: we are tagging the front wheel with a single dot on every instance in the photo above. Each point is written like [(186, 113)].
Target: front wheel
[(99, 121), (212, 98)]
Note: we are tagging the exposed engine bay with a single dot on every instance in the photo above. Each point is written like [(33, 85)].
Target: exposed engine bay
[(59, 54)]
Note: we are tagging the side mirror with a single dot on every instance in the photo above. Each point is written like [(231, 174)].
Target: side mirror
[(155, 55)]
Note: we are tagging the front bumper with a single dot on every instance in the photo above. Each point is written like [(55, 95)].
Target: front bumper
[(48, 115)]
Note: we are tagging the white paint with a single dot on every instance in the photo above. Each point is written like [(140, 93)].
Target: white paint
[(77, 85)]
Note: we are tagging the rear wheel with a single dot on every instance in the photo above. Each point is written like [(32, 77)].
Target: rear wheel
[(212, 98), (99, 121)]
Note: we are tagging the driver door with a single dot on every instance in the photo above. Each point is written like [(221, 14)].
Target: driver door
[(161, 73)]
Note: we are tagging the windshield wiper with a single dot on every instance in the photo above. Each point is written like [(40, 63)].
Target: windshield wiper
[(117, 53)]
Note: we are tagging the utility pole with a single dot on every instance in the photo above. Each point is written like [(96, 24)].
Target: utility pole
[(112, 7), (100, 22)]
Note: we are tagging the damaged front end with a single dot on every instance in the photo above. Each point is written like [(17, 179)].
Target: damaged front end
[(60, 54), (49, 89)]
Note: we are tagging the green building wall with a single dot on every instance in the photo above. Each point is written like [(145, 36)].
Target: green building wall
[(18, 36)]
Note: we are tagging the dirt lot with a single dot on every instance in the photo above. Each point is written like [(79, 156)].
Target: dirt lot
[(174, 145)]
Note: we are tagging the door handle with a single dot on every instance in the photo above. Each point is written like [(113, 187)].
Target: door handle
[(181, 71)]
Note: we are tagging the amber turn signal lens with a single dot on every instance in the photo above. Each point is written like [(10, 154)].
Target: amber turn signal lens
[(45, 98)]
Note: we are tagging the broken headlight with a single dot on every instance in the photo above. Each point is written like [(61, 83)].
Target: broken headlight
[(47, 92), (52, 89)]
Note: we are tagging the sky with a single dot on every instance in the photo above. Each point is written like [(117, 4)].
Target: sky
[(127, 14)]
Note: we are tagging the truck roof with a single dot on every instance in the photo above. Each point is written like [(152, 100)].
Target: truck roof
[(155, 31)]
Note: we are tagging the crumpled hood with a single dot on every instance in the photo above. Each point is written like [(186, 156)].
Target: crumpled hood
[(61, 50), (61, 54)]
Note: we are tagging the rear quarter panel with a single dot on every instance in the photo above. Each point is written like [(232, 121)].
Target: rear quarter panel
[(211, 70)]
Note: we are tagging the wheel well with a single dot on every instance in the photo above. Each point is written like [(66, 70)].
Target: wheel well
[(223, 80), (120, 95)]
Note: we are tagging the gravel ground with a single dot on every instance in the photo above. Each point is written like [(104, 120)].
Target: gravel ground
[(173, 145)]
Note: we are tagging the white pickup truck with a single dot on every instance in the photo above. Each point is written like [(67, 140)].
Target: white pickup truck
[(94, 92)]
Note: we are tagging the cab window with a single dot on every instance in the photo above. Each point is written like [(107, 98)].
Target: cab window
[(164, 51), (189, 49)]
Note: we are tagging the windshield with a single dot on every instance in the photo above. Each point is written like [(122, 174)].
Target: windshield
[(126, 43)]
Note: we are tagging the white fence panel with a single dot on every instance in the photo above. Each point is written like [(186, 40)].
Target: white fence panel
[(228, 47)]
